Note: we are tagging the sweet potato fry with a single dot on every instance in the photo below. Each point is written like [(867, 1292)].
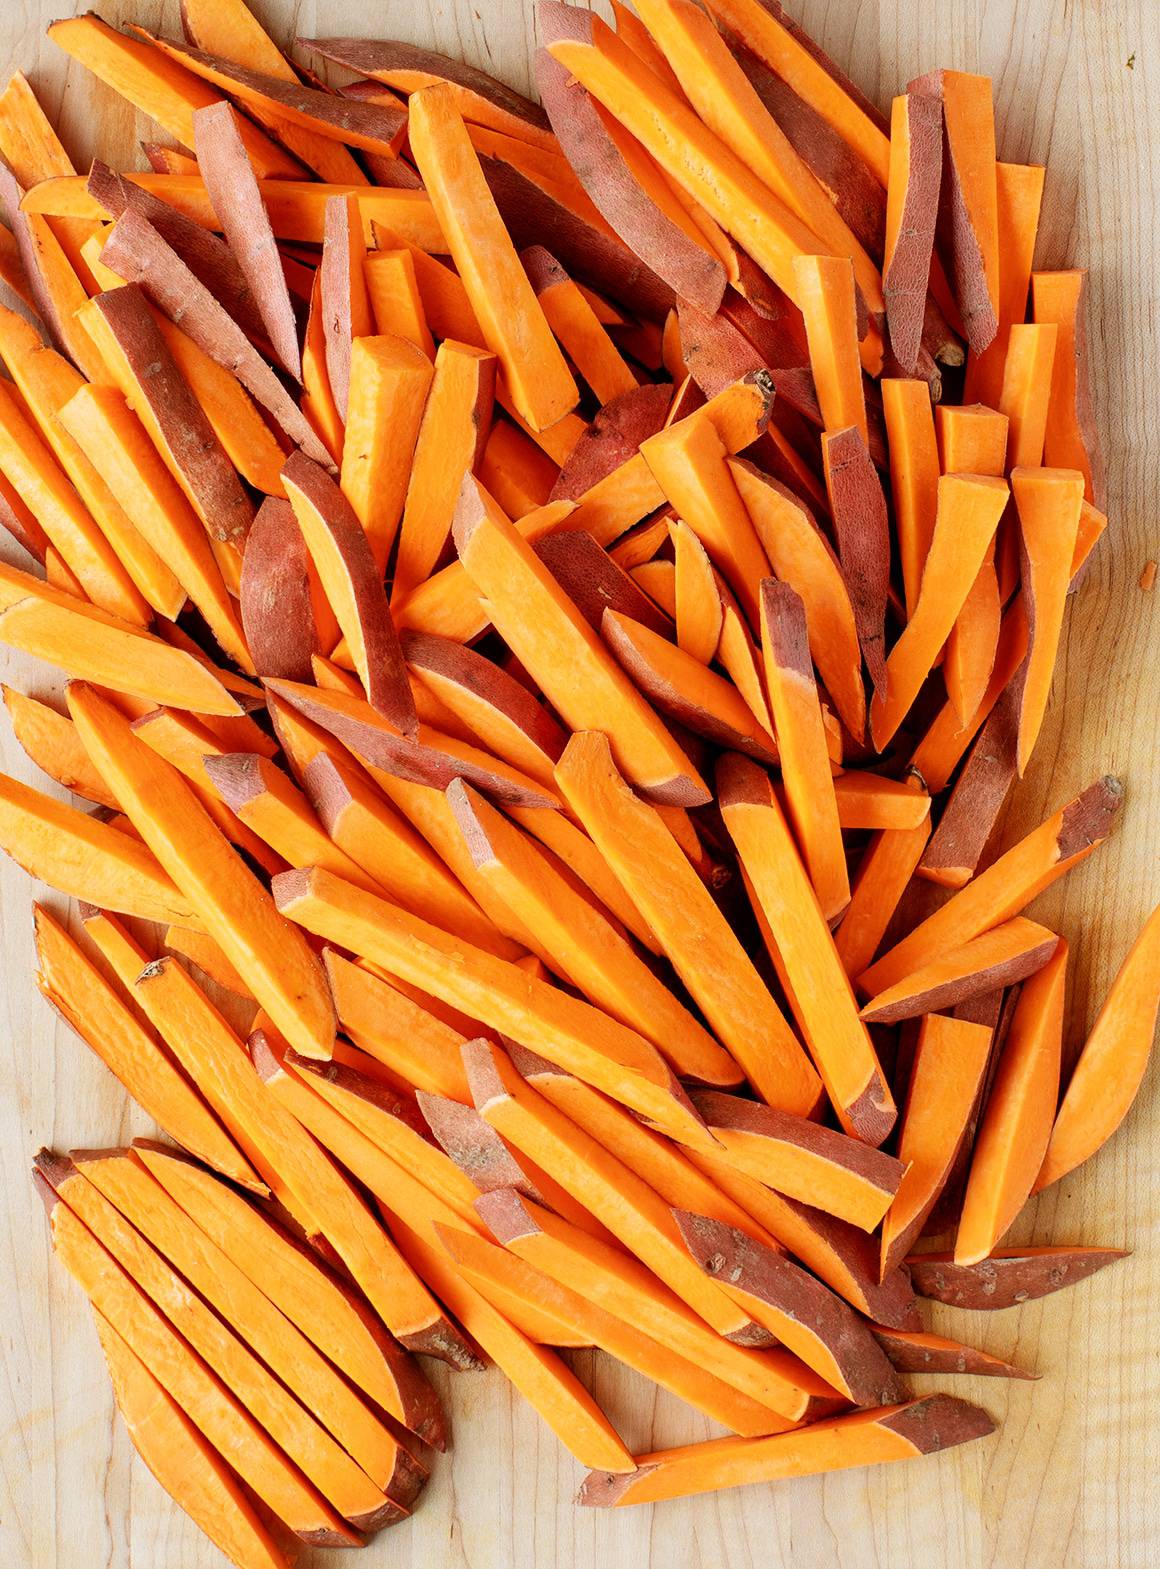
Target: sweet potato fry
[(994, 960), (899, 1432), (1067, 837), (918, 1351), (912, 195), (695, 936), (1071, 440), (1019, 193), (276, 602), (1009, 1277), (283, 973), (575, 324), (389, 382), (50, 740), (862, 529)]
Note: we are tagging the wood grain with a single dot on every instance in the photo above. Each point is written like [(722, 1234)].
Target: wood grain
[(1069, 1483)]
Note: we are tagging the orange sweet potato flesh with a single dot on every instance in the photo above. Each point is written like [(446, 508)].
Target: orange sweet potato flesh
[(102, 1017), (127, 1184), (292, 1276), (584, 946), (685, 690), (51, 741), (968, 206), (619, 1283), (223, 1420), (802, 744), (825, 295), (576, 326), (996, 959), (862, 530), (870, 1437), (82, 856), (1016, 1123), (283, 973), (969, 508), (1019, 194), (500, 994), (803, 951), (500, 294), (353, 585), (808, 1319), (914, 472), (1071, 439), (695, 936), (918, 1351), (801, 556), (324, 1463), (564, 656), (1111, 1065), (183, 1462), (389, 381), (884, 873), (950, 1060), (1067, 837)]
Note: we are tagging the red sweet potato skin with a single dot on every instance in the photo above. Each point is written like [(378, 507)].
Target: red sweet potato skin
[(614, 435), (862, 526), (277, 615), (906, 275), (594, 582), (1008, 1277)]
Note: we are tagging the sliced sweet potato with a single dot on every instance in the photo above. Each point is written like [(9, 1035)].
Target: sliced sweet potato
[(236, 195), (84, 857), (1067, 837), (563, 654), (688, 462), (914, 472), (432, 758), (396, 1031), (685, 690), (919, 1351), (916, 166), (276, 602), (581, 943), (803, 951), (994, 960), (1016, 1122), (807, 1318), (576, 326), (680, 910), (697, 606), (139, 254), (225, 1422), (188, 1467), (1071, 439), (1111, 1065), (801, 557), (456, 419), (824, 292), (497, 286), (950, 1061), (499, 993), (884, 873), (899, 1432), (969, 508), (802, 744), (968, 202), (50, 740), (283, 973), (352, 583), (99, 419), (101, 1016), (1009, 1277), (304, 1440), (393, 292), (862, 529)]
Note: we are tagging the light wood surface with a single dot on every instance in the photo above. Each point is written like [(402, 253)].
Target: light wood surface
[(1070, 1480)]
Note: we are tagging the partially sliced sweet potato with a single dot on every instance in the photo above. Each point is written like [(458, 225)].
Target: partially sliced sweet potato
[(680, 910)]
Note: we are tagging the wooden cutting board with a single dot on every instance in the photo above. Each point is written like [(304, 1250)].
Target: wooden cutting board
[(1070, 1481)]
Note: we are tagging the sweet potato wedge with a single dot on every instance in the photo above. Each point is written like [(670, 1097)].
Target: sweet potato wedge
[(862, 530), (919, 1351), (1071, 439), (277, 606), (807, 1318), (899, 1432), (998, 958), (1009, 1277), (912, 197)]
